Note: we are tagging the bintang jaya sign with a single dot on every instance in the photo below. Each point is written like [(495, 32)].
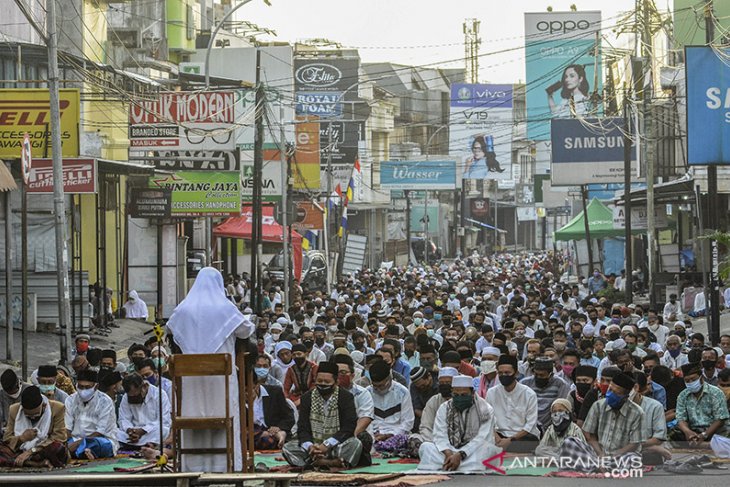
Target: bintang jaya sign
[(28, 111)]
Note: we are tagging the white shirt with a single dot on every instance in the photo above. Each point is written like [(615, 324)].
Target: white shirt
[(393, 410), (699, 302), (258, 407), (670, 309), (441, 431), (145, 416), (95, 416), (316, 356), (514, 411), (673, 363), (363, 402)]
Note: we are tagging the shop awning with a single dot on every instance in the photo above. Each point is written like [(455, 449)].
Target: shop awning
[(600, 224), (677, 191), (242, 227), (7, 183)]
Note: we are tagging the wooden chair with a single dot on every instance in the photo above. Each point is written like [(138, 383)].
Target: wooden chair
[(200, 365)]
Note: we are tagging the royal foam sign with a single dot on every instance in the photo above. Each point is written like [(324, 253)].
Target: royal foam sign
[(418, 174)]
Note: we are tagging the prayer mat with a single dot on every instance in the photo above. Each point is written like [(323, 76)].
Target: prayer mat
[(384, 467), (109, 465), (269, 459), (344, 479), (413, 480)]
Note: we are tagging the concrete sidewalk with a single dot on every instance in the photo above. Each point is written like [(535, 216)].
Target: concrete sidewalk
[(44, 348)]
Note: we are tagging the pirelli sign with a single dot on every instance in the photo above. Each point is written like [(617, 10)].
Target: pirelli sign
[(28, 111)]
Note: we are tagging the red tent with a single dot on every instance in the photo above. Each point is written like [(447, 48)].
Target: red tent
[(241, 227)]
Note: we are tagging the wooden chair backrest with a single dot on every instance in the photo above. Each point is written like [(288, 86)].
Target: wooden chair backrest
[(197, 365)]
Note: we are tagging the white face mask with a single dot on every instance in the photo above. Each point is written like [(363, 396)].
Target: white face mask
[(86, 394), (488, 366), (17, 394)]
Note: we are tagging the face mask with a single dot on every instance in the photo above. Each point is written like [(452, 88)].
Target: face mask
[(47, 388), (506, 380), (344, 381), (708, 364), (694, 386), (430, 332), (261, 372), (325, 390), (445, 390), (86, 394), (437, 316), (614, 401), (299, 360), (462, 403), (559, 417), (82, 347), (488, 366), (576, 334), (152, 380), (542, 382), (631, 346), (417, 321), (614, 335), (654, 327), (332, 328), (674, 353), (568, 370), (426, 364), (308, 343), (135, 399), (519, 333), (16, 395), (559, 346), (603, 388), (582, 389)]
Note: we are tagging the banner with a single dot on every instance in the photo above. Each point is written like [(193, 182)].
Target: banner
[(198, 193), (322, 84), (426, 175), (481, 130), (345, 138), (185, 121), (308, 217), (588, 151), (29, 111), (639, 217), (79, 176), (271, 184), (479, 207), (150, 203), (305, 169), (560, 56), (708, 105)]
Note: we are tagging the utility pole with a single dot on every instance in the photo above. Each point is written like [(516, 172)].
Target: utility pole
[(628, 149), (59, 207), (647, 94), (9, 275), (407, 194), (329, 193), (258, 154), (587, 226), (713, 206), (285, 205), (471, 49)]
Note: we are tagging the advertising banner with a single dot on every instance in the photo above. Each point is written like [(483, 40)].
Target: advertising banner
[(479, 207), (588, 151), (173, 160), (308, 217), (561, 67), (426, 175), (345, 138), (79, 176), (184, 121), (708, 105), (271, 184), (198, 193), (322, 84), (305, 169), (28, 111), (481, 130), (639, 217), (150, 203)]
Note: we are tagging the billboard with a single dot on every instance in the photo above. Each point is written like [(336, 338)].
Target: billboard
[(309, 216), (29, 111), (426, 175), (481, 130), (271, 183), (345, 138), (150, 203), (322, 84), (562, 69), (305, 167), (708, 105), (79, 176), (588, 151), (187, 121), (198, 193)]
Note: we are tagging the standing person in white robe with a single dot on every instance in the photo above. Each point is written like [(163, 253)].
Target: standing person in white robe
[(208, 322), (135, 308), (463, 434)]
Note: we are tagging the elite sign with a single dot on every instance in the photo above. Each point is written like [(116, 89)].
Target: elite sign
[(708, 106)]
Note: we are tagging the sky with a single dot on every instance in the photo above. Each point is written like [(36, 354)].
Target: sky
[(420, 32)]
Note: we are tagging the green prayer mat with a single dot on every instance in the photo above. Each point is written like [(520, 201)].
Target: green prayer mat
[(108, 466), (269, 459), (382, 466)]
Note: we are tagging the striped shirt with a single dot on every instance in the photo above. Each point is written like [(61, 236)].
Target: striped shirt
[(615, 428), (556, 388)]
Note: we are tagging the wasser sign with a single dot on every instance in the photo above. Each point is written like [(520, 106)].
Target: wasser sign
[(418, 174)]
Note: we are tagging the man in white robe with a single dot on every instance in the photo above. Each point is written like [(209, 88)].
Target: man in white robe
[(462, 434), (139, 413), (90, 420), (207, 322)]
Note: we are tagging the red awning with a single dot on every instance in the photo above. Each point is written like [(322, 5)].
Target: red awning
[(241, 227)]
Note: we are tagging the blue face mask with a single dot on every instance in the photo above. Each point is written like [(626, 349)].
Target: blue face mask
[(261, 372), (694, 386), (614, 401), (437, 316), (152, 380)]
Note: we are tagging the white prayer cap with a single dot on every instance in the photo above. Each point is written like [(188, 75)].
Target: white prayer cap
[(282, 321), (282, 346), (341, 300), (588, 330), (357, 356), (491, 351), (247, 311), (276, 326), (160, 351), (627, 329), (462, 381), (448, 372)]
